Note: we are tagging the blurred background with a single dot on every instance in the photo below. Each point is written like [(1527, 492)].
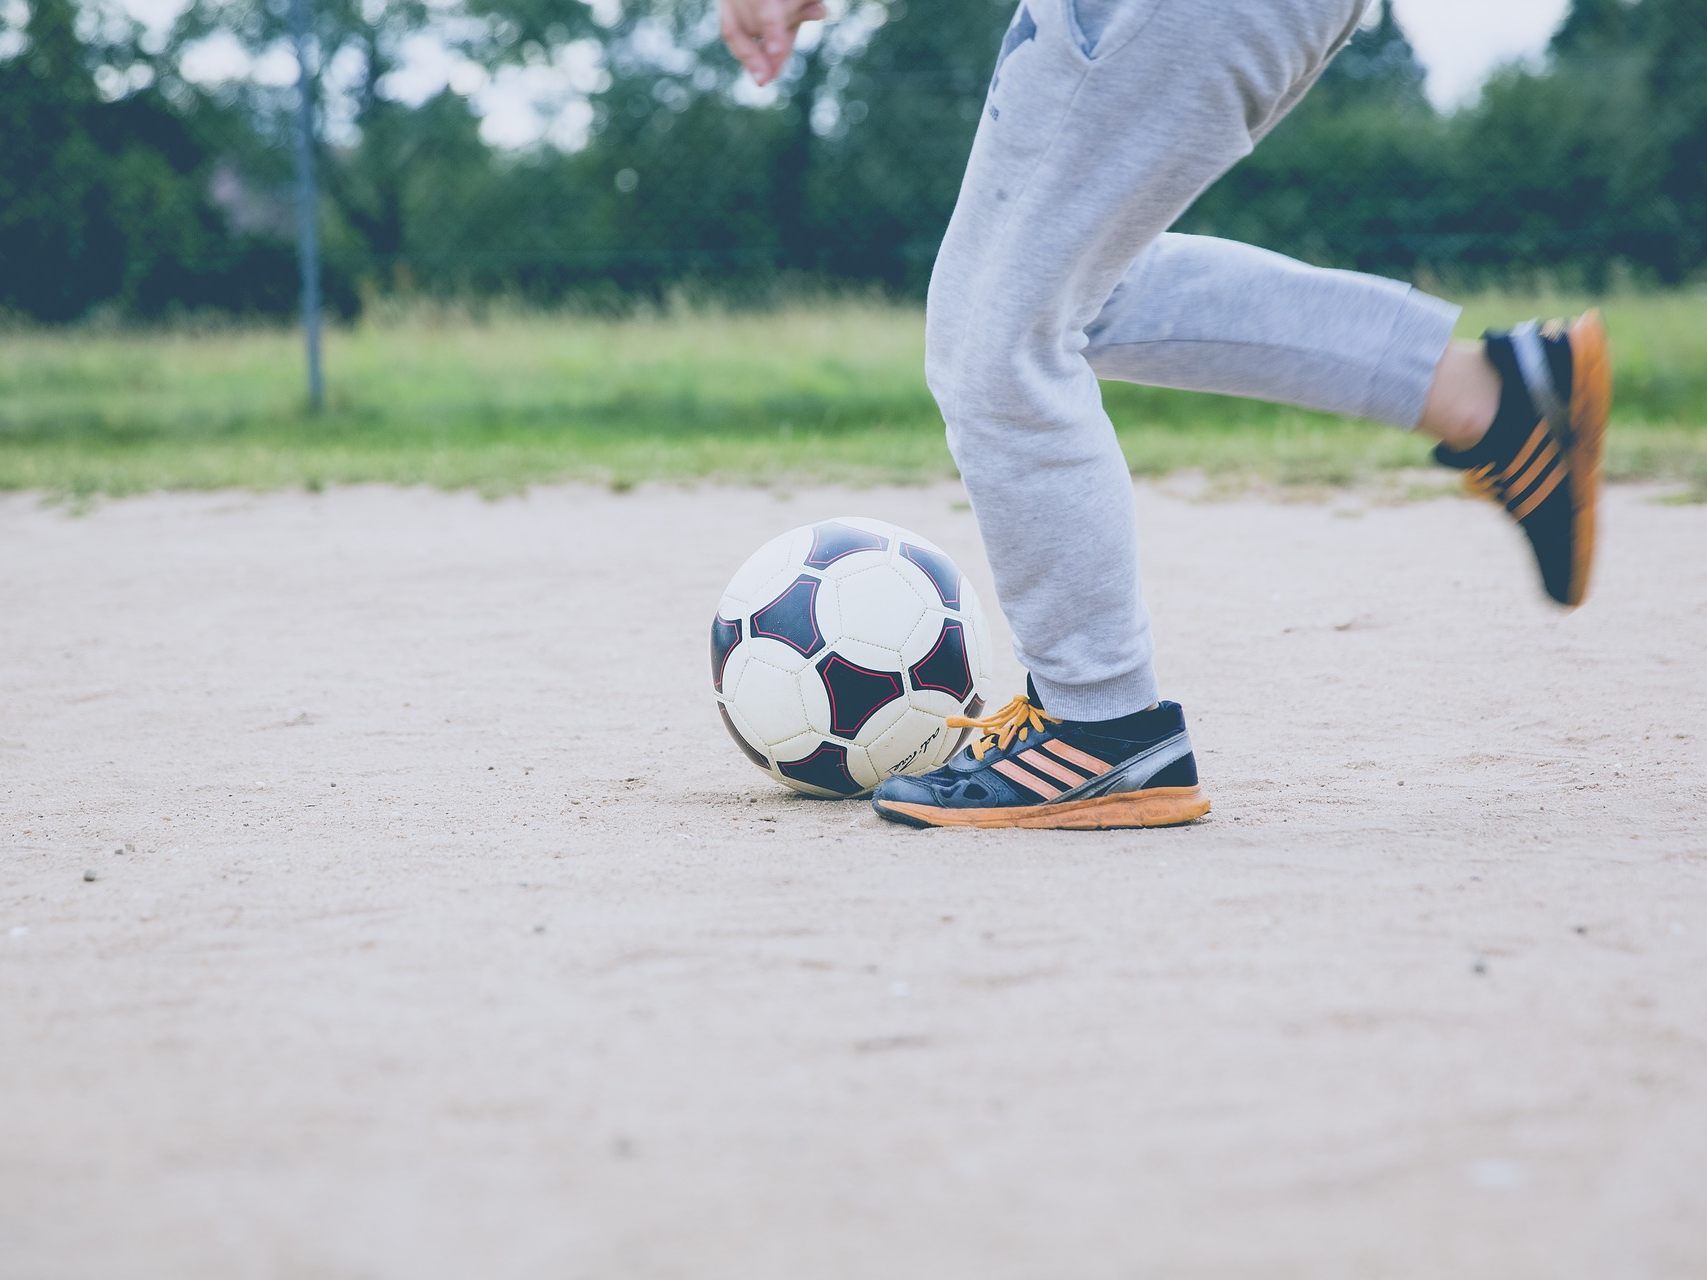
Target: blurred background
[(558, 238)]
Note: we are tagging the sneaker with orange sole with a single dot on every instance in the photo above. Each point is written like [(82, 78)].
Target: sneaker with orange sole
[(1541, 458), (1029, 769)]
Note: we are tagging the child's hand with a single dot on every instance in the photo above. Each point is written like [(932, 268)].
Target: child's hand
[(760, 33)]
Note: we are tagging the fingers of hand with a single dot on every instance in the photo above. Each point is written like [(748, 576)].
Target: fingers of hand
[(773, 18), (746, 49), (761, 35)]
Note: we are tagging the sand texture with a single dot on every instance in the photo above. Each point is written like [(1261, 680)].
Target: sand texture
[(436, 930)]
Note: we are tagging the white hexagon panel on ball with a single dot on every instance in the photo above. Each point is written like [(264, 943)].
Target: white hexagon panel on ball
[(841, 649)]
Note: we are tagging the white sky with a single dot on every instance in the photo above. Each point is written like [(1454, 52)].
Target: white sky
[(1459, 41)]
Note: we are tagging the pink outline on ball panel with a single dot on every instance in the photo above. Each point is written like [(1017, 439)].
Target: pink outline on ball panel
[(787, 611), (720, 628), (831, 774), (833, 541), (747, 749), (939, 569), (923, 677), (835, 663)]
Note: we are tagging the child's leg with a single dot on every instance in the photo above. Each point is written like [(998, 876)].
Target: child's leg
[(1203, 314), (1081, 162)]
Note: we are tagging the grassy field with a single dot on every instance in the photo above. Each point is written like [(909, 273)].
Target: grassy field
[(830, 391)]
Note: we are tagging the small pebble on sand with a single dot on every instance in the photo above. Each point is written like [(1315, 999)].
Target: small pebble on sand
[(90, 875)]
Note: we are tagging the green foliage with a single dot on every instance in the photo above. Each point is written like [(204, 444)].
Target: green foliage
[(105, 203), (126, 190), (1677, 94), (916, 90), (1389, 202), (1378, 69), (1595, 28)]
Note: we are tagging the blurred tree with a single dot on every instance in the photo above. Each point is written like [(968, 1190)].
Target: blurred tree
[(126, 186), (373, 147), (1379, 65), (105, 180), (850, 170), (1677, 97), (51, 193), (899, 109), (532, 32), (1555, 173), (1357, 175), (1596, 26), (679, 178)]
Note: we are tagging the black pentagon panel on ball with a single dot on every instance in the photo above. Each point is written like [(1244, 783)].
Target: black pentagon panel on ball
[(939, 569), (747, 749), (792, 617), (832, 541), (725, 635), (827, 767), (946, 668), (856, 693)]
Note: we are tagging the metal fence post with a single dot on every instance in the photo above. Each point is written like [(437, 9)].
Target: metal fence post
[(307, 204)]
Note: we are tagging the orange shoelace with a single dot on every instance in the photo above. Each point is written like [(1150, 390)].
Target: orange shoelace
[(1479, 484), (1018, 719)]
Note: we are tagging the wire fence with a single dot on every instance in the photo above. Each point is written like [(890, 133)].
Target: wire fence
[(321, 167)]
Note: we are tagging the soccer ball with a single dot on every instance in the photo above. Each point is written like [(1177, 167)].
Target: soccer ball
[(840, 650)]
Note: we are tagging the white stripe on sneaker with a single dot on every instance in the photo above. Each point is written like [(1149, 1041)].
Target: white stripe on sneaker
[(1531, 353)]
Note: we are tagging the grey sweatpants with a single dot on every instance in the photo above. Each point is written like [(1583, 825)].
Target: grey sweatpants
[(1105, 120)]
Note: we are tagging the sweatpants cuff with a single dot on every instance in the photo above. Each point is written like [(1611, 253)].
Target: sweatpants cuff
[(1105, 700), (1419, 337)]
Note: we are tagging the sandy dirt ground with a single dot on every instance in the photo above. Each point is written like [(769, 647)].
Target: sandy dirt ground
[(435, 928)]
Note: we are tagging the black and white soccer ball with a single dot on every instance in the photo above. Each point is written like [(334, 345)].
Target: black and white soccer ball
[(841, 649)]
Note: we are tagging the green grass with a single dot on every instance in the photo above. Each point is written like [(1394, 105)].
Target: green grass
[(827, 391)]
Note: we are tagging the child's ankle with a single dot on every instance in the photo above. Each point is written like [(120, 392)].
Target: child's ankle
[(1464, 399)]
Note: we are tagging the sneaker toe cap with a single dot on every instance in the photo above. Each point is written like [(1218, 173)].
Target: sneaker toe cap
[(904, 790)]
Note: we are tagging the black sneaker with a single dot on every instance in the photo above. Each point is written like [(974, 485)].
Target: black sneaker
[(1028, 769), (1541, 459)]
